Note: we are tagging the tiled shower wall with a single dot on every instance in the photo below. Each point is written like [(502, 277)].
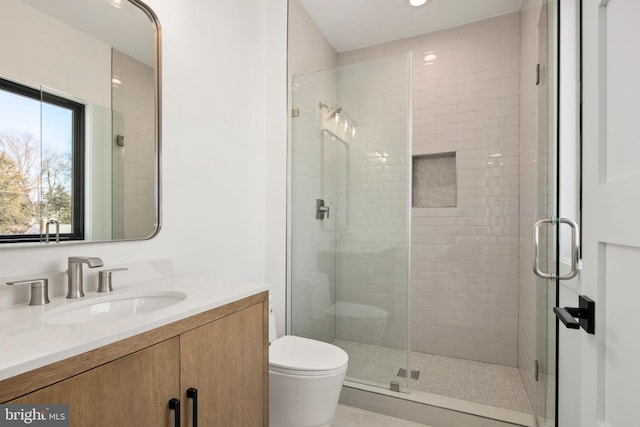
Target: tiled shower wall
[(359, 254), (464, 288), (357, 257), (312, 256), (373, 249), (134, 212), (312, 240)]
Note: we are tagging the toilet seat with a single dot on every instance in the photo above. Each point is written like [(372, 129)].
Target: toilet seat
[(302, 356)]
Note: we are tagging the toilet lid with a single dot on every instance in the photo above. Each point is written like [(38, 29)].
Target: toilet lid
[(290, 353)]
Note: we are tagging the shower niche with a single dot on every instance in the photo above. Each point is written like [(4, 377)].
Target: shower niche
[(434, 181)]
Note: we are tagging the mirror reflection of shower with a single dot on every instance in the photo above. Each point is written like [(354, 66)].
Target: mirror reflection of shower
[(337, 117)]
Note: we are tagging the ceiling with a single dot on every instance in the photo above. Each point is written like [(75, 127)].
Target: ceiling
[(353, 24)]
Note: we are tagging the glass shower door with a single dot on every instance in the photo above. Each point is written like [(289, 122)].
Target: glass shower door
[(312, 244), (547, 203), (349, 257)]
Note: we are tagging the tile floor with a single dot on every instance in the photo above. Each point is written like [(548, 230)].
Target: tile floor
[(348, 416), (485, 383)]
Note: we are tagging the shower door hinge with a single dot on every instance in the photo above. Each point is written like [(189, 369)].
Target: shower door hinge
[(537, 371), (295, 112)]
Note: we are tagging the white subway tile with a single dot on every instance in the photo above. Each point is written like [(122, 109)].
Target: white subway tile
[(462, 258)]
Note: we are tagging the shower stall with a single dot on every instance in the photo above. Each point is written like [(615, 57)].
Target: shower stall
[(417, 169)]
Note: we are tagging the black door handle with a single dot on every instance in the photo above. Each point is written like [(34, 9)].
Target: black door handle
[(174, 404), (192, 393), (567, 316), (585, 315)]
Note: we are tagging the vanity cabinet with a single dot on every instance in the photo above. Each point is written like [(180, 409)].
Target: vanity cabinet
[(131, 391), (222, 353), (224, 362)]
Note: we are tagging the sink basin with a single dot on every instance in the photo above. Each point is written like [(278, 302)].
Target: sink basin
[(112, 307)]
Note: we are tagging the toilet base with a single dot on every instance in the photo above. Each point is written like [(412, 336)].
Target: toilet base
[(303, 401)]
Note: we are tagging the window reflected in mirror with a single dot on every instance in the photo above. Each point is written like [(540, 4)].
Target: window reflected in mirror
[(41, 166)]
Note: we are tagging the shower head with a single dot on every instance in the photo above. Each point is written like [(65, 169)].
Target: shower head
[(333, 111)]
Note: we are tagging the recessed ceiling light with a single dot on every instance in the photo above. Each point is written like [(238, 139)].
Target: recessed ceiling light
[(417, 3), (430, 57)]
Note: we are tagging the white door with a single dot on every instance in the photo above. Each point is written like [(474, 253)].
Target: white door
[(610, 389)]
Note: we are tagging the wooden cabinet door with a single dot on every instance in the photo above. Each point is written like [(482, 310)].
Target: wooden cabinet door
[(131, 391), (227, 362)]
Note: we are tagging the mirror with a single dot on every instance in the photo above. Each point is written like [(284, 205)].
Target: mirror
[(79, 121)]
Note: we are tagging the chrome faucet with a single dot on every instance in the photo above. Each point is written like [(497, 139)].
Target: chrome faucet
[(57, 224), (76, 288)]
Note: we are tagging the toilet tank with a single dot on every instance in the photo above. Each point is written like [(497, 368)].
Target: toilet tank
[(273, 335)]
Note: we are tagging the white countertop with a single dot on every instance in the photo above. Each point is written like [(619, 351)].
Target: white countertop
[(28, 343)]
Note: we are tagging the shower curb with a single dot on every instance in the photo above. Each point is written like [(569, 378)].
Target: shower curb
[(430, 409)]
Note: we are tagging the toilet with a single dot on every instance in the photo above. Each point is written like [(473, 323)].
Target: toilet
[(305, 379)]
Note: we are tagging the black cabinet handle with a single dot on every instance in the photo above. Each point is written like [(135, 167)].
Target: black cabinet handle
[(175, 405), (192, 393)]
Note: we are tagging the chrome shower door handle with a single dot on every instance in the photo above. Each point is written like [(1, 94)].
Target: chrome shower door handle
[(575, 248), (536, 249)]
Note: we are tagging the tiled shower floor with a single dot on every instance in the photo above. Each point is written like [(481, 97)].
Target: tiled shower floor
[(485, 383)]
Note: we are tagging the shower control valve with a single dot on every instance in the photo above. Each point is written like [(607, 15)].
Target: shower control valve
[(321, 209)]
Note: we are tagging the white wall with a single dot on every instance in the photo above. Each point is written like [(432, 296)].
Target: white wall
[(372, 253), (276, 156), (309, 50), (215, 115)]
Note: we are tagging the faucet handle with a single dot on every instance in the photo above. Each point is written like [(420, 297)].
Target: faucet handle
[(91, 261), (104, 279), (39, 290)]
